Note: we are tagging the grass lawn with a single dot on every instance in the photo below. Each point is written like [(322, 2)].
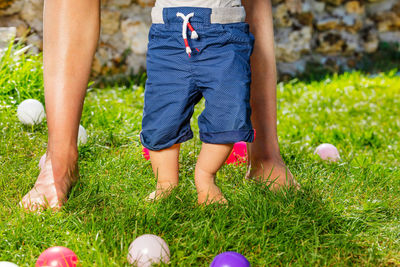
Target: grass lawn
[(346, 214)]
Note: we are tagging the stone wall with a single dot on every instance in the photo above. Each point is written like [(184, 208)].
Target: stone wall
[(334, 32)]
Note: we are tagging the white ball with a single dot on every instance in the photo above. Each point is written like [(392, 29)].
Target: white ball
[(82, 136), (7, 264), (42, 161), (30, 112), (147, 250), (327, 152)]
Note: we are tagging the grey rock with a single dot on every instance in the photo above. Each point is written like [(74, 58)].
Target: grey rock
[(6, 35), (291, 68), (379, 6), (32, 13), (290, 45), (13, 8), (390, 37)]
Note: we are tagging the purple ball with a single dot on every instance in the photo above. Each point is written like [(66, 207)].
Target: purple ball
[(230, 259)]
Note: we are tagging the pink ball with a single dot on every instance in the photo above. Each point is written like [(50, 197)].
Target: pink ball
[(147, 250), (146, 153), (57, 257), (327, 152), (238, 154), (42, 160)]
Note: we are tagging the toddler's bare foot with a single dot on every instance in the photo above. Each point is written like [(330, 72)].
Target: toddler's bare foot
[(211, 195), (50, 191), (207, 191), (163, 190), (211, 159)]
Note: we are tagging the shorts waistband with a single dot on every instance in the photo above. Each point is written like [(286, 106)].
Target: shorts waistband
[(222, 15)]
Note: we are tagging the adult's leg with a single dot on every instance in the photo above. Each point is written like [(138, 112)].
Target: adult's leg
[(266, 162), (70, 35)]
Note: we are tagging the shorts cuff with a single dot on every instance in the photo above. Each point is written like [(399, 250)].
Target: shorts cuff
[(159, 146), (228, 137)]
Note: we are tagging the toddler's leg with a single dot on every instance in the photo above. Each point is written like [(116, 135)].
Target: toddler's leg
[(165, 165), (211, 158)]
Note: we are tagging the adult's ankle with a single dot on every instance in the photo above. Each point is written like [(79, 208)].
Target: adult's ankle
[(67, 155), (64, 162)]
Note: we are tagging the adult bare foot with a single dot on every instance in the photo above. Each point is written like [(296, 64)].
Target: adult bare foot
[(273, 173), (50, 190)]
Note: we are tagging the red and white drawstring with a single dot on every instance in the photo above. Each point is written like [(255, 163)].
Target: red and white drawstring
[(186, 24)]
